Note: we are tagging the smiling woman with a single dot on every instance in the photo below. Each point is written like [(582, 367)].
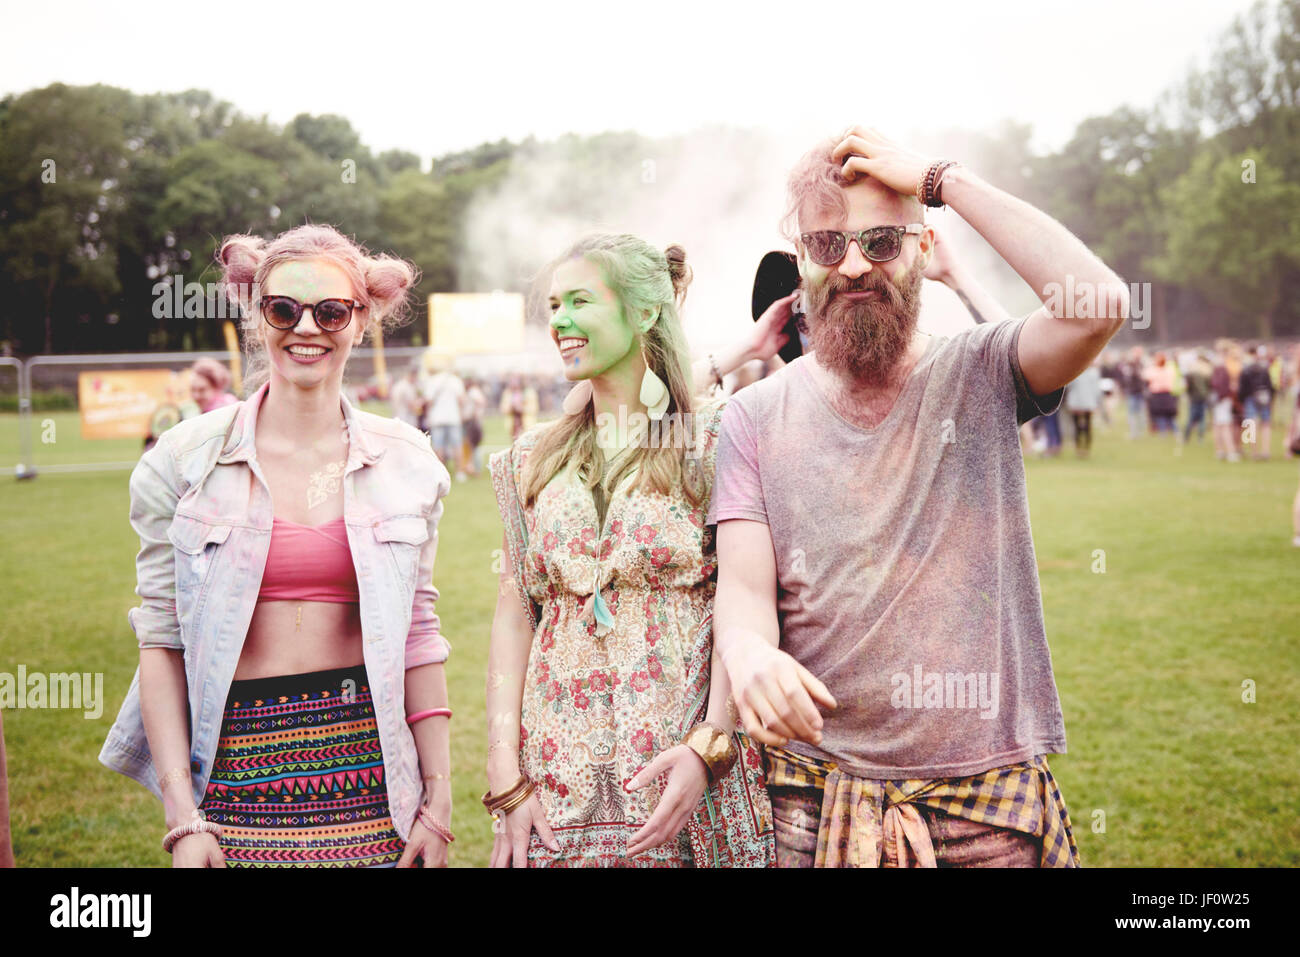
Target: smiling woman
[(606, 731), (282, 539)]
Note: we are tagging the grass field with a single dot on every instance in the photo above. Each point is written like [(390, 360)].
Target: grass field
[(1167, 764)]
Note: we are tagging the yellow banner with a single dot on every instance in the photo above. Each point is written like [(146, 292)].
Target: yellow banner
[(121, 404), (464, 323)]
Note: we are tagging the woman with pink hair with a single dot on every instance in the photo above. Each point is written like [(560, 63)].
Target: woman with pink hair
[(210, 384), (290, 705)]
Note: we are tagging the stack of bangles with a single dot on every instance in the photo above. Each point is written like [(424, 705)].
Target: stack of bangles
[(500, 805), (197, 825)]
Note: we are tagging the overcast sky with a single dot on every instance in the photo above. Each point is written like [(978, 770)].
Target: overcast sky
[(437, 77)]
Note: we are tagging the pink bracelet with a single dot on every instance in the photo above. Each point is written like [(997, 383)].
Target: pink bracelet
[(431, 713), (433, 824), (197, 825)]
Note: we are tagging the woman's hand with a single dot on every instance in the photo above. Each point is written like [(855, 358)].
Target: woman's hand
[(510, 849), (942, 264), (769, 335), (198, 850), (866, 151), (426, 844), (688, 778)]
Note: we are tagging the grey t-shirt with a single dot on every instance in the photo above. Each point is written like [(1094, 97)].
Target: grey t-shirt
[(906, 573)]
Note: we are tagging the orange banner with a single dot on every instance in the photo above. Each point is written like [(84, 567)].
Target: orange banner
[(121, 404)]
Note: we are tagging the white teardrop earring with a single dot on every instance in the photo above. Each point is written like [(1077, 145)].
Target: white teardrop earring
[(578, 398), (654, 394)]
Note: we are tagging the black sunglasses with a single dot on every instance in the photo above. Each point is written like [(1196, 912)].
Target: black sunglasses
[(331, 315), (880, 244)]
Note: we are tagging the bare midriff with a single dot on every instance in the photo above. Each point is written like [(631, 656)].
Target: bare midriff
[(296, 637)]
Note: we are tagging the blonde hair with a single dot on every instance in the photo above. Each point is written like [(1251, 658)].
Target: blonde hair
[(642, 278), (381, 283)]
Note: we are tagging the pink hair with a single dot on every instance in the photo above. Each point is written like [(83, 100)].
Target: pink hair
[(212, 370), (381, 282), (816, 185)]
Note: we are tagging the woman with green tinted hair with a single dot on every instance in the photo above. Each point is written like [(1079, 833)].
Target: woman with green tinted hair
[(610, 741)]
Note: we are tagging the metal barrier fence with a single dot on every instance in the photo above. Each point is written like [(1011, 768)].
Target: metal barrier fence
[(29, 441)]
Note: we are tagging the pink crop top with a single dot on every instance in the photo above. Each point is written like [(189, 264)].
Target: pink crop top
[(309, 563), (314, 563)]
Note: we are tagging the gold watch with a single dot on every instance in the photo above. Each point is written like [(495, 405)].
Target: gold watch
[(714, 746)]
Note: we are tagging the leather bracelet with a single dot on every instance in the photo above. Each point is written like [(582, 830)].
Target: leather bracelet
[(928, 187), (714, 746), (938, 182)]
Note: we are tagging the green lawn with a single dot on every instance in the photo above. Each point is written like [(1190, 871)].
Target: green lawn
[(1198, 595)]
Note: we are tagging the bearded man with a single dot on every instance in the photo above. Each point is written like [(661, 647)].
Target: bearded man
[(878, 609)]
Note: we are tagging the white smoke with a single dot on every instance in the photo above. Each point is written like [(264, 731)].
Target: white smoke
[(718, 191)]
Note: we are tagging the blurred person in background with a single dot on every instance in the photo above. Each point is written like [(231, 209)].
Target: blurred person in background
[(1162, 403), (1198, 395), (1223, 394), (1109, 388), (519, 405), (1133, 384), (210, 384), (473, 410), (405, 398), (443, 394), (1255, 392), (1082, 399)]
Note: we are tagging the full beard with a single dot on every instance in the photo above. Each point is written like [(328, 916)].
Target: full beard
[(864, 341)]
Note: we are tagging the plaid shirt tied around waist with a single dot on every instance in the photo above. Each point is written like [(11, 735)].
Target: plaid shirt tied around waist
[(860, 814)]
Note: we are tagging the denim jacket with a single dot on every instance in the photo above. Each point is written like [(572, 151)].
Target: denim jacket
[(205, 529)]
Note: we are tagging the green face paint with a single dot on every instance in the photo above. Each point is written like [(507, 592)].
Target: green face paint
[(587, 322), (296, 354)]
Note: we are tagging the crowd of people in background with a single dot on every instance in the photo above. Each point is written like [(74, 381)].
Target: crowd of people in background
[(451, 408), (1231, 390)]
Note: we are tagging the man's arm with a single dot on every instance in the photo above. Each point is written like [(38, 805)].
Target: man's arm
[(774, 693), (1055, 345)]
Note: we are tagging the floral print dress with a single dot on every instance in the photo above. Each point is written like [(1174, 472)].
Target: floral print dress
[(597, 709)]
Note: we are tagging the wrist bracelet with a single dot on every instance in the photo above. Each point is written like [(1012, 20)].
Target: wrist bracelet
[(433, 824), (507, 801), (938, 182), (198, 824), (714, 746), (713, 365), (431, 713), (927, 188)]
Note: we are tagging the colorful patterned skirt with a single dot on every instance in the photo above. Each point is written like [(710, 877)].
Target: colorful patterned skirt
[(298, 780)]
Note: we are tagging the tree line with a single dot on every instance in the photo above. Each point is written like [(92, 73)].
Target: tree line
[(104, 193)]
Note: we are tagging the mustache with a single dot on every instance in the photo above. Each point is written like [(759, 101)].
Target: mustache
[(873, 281)]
